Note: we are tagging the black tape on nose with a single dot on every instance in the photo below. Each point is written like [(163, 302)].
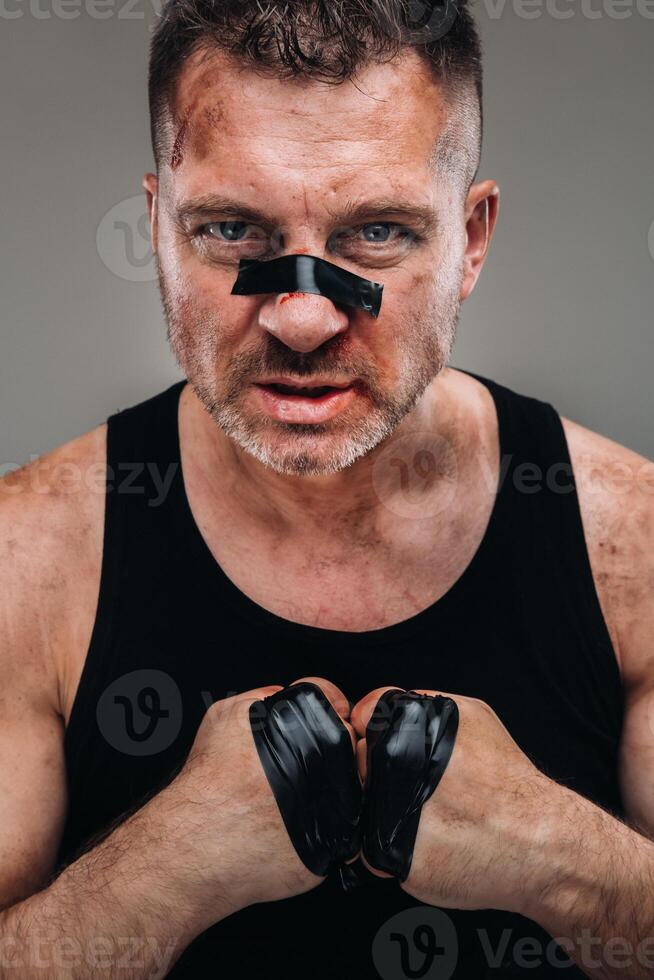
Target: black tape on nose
[(409, 742), (307, 274), (306, 753)]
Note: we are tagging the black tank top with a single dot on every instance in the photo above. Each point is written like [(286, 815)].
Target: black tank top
[(521, 628)]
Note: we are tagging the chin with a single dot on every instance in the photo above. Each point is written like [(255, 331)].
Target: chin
[(304, 449), (302, 457), (307, 451)]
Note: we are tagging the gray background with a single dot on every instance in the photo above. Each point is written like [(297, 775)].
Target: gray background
[(564, 307)]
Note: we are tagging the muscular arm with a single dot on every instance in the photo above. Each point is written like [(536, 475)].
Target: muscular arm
[(616, 491), (601, 890), (113, 907), (32, 774), (128, 908)]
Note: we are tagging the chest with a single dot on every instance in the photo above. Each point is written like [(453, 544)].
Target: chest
[(354, 594), (349, 579)]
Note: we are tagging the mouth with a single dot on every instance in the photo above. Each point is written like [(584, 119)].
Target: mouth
[(314, 388), (301, 391), (314, 401)]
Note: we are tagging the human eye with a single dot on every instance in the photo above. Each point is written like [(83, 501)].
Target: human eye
[(235, 238), (374, 241), (382, 232)]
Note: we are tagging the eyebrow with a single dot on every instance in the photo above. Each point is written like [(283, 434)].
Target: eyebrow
[(421, 215)]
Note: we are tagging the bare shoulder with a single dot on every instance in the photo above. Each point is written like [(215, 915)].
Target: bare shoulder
[(616, 496), (51, 526)]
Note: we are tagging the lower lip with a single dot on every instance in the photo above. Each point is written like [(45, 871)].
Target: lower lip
[(299, 408)]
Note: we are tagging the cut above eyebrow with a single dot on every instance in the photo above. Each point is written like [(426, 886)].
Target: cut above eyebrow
[(421, 215)]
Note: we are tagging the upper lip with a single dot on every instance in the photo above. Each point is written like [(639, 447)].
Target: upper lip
[(304, 382)]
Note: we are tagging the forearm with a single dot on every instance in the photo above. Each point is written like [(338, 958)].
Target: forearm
[(597, 897), (127, 908)]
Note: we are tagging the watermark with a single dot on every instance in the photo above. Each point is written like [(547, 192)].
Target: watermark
[(650, 239), (146, 954), (569, 9), (123, 241), (615, 477), (406, 472), (417, 942), (73, 9), (140, 713), (423, 942), (143, 479), (416, 476), (230, 708), (419, 722), (426, 21)]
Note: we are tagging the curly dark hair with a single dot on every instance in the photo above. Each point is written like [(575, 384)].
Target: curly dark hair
[(329, 40)]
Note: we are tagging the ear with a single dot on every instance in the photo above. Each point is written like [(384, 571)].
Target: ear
[(481, 211), (150, 185)]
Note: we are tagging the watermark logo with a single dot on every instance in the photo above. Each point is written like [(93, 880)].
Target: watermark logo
[(415, 476), (425, 21), (140, 713), (73, 9), (416, 943), (123, 241), (428, 20)]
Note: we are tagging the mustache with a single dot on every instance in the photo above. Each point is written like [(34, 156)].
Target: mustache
[(276, 358)]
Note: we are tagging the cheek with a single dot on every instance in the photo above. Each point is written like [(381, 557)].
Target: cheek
[(419, 288), (199, 297), (209, 326), (187, 276)]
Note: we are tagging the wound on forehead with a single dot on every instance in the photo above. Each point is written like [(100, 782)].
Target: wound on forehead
[(197, 132), (195, 125), (177, 154)]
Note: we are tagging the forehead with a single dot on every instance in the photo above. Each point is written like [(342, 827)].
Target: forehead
[(242, 129)]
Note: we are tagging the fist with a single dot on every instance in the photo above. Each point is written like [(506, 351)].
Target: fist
[(225, 802), (478, 837)]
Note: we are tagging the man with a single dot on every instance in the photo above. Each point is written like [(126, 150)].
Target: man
[(324, 498)]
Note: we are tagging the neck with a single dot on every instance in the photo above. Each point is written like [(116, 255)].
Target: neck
[(434, 445)]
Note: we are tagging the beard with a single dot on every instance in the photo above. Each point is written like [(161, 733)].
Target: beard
[(422, 345)]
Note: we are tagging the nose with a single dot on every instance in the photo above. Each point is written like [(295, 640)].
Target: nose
[(302, 321)]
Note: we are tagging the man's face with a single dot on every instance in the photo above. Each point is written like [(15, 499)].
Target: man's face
[(295, 158)]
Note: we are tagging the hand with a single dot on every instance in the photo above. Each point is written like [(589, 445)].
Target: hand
[(225, 806), (480, 836)]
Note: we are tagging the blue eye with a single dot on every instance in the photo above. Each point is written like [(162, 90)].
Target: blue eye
[(380, 232), (233, 231)]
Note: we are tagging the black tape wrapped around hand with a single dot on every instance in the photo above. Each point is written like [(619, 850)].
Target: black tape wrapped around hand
[(409, 742), (306, 753)]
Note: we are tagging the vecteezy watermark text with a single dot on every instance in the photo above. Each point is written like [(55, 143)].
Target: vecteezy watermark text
[(429, 22), (424, 942), (146, 479), (118, 953)]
